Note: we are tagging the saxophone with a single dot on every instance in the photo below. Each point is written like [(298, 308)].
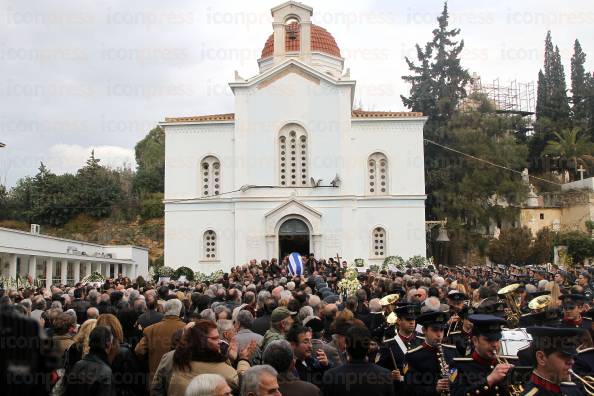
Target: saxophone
[(445, 369)]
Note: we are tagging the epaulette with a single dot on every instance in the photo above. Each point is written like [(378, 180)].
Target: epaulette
[(462, 359), (421, 337), (585, 350), (448, 346), (532, 392), (414, 349)]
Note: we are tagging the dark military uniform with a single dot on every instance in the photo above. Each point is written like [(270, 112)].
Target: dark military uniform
[(469, 374), (561, 340), (426, 364), (584, 362), (457, 336), (377, 325), (583, 323), (394, 350), (469, 377), (422, 368), (393, 347), (538, 386)]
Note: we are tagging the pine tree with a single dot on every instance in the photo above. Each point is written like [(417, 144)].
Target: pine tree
[(437, 85), (438, 79), (578, 84)]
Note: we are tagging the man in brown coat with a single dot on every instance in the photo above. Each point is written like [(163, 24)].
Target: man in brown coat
[(156, 340)]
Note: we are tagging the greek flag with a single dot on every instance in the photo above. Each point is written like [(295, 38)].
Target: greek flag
[(295, 264)]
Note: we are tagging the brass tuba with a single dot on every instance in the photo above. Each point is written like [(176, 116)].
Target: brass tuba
[(513, 304)]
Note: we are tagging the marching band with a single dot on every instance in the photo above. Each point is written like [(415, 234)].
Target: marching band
[(532, 337)]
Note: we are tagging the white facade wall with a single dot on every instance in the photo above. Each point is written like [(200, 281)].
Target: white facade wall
[(306, 89), (248, 151), (35, 253)]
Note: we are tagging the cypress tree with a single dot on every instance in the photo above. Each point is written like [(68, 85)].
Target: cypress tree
[(578, 84)]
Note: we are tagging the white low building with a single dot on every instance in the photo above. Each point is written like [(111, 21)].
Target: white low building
[(57, 260), (295, 168)]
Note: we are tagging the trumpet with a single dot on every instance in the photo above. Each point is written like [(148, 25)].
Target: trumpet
[(514, 389), (587, 382)]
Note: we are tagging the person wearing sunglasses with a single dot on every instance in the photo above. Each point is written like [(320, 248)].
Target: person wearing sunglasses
[(574, 306)]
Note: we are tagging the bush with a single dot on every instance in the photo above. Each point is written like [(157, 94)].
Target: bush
[(579, 245), (152, 206), (81, 224), (184, 271)]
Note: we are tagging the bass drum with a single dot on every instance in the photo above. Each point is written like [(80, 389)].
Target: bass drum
[(514, 340)]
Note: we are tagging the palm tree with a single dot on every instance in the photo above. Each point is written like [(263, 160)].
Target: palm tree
[(572, 146)]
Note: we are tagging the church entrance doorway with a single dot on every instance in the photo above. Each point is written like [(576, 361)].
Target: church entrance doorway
[(293, 236)]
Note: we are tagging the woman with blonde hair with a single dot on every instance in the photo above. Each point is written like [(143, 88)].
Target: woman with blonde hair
[(80, 347), (81, 339), (555, 290)]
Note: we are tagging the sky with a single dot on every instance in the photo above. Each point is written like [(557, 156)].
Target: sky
[(82, 75)]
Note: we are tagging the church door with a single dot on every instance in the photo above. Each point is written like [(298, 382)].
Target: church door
[(293, 236)]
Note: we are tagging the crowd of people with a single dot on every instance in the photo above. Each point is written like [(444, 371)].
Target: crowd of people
[(258, 330)]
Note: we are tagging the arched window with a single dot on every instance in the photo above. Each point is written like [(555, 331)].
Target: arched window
[(377, 174), (209, 245), (210, 176), (292, 149), (378, 242)]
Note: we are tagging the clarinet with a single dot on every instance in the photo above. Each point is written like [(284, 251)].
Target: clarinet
[(445, 370)]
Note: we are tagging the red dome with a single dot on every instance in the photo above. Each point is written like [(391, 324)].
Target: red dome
[(321, 41)]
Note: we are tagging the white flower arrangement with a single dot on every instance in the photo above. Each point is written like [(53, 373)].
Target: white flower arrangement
[(349, 284), (95, 278), (20, 281), (201, 277)]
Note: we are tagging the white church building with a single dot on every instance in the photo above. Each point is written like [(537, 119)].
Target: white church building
[(295, 168)]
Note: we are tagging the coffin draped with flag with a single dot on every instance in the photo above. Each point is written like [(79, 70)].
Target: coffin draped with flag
[(295, 264)]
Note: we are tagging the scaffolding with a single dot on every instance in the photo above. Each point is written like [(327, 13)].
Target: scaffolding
[(514, 98)]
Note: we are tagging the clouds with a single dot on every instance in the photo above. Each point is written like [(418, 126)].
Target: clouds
[(102, 73), (68, 158)]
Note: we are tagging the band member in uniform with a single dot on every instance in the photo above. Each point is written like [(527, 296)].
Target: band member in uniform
[(394, 350), (461, 337), (456, 302), (426, 369), (482, 373), (573, 306), (554, 350)]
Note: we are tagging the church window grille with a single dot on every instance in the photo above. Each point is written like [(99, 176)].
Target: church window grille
[(293, 157), (210, 245), (378, 241), (210, 176), (377, 174)]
